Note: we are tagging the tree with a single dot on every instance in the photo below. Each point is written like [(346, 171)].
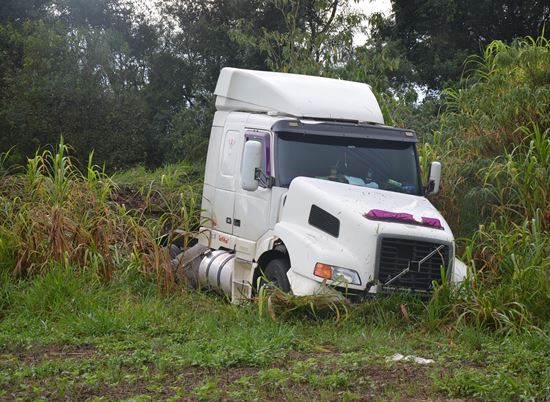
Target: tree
[(18, 11), (197, 34), (438, 35), (196, 44), (315, 37), (79, 75)]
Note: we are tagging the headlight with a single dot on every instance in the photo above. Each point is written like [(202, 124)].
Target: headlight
[(337, 273)]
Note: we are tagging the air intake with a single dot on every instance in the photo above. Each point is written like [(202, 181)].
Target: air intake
[(324, 221)]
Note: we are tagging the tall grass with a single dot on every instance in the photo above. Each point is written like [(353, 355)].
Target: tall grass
[(508, 289), (504, 92), (279, 305), (497, 147), (169, 199), (519, 181), (4, 159), (505, 88), (60, 214)]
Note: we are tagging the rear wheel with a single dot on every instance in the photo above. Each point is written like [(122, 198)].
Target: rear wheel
[(274, 274)]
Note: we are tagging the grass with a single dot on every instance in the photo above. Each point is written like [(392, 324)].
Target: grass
[(140, 177), (70, 337), (495, 146), (170, 196), (58, 213), (499, 111)]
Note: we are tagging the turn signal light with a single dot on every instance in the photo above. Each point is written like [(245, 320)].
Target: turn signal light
[(337, 274), (323, 270)]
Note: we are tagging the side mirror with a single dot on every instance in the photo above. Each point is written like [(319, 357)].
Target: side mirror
[(252, 160), (434, 178)]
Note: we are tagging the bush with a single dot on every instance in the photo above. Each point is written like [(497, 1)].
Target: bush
[(495, 139), (56, 214), (502, 105)]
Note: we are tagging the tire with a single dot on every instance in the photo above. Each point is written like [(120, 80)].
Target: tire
[(275, 274)]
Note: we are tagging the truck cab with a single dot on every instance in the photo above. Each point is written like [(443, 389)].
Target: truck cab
[(305, 186)]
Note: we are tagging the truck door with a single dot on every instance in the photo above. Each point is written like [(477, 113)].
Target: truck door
[(252, 208), (224, 194)]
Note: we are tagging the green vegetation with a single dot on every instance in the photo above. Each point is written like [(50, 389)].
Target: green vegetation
[(89, 305), (495, 140), (437, 35), (67, 336), (134, 82)]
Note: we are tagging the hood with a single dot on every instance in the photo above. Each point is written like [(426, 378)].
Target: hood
[(329, 222), (356, 201)]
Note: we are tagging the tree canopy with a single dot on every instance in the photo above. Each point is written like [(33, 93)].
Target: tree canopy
[(135, 85), (439, 34)]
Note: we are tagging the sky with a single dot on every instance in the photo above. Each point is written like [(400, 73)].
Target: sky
[(370, 7), (374, 6)]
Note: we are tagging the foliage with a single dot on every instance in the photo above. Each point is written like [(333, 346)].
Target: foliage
[(81, 260), (135, 85), (504, 77), (64, 335), (316, 36), (518, 180), (21, 10), (439, 34), (4, 163), (199, 40), (58, 215), (188, 133), (498, 374), (508, 289), (47, 224), (501, 108), (114, 77), (510, 257), (55, 86), (497, 126), (276, 304), (317, 39), (381, 65)]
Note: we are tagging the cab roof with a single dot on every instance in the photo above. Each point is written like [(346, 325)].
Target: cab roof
[(296, 95)]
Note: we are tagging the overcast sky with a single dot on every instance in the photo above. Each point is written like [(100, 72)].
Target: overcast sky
[(374, 6), (369, 7)]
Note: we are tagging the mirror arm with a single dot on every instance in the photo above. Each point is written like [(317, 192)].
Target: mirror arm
[(430, 183), (429, 187), (267, 181)]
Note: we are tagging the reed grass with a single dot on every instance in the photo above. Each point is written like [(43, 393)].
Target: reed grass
[(57, 213), (496, 147)]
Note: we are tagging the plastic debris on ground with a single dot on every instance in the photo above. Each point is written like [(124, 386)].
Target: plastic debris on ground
[(399, 357)]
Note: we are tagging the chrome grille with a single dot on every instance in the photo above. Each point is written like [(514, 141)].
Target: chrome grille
[(398, 254)]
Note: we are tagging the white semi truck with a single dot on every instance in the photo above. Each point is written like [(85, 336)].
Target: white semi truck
[(306, 188)]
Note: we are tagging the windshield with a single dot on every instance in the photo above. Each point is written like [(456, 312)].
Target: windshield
[(385, 165)]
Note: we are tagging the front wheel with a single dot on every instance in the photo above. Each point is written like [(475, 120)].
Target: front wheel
[(275, 274)]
